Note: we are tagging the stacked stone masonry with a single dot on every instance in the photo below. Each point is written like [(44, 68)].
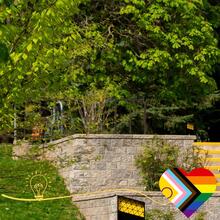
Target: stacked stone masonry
[(96, 162)]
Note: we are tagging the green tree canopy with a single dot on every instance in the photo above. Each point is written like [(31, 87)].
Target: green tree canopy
[(161, 51)]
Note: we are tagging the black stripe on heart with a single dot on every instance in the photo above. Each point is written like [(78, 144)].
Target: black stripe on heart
[(190, 186)]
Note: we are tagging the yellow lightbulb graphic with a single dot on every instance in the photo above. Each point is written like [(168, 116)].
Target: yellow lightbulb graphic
[(38, 184)]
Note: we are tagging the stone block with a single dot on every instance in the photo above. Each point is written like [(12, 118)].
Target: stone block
[(123, 183)]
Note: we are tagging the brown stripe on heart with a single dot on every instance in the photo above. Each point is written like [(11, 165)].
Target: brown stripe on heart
[(189, 185)]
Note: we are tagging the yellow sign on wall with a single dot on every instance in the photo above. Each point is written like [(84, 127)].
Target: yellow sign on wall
[(131, 206)]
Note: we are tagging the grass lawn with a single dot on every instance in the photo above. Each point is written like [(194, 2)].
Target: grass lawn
[(14, 175)]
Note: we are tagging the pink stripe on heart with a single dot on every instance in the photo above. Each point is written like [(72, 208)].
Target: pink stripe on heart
[(182, 193)]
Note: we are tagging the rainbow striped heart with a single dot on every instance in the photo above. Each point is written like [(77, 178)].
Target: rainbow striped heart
[(187, 191)]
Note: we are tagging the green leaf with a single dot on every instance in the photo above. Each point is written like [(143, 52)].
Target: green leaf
[(29, 47), (20, 77), (24, 56), (28, 73)]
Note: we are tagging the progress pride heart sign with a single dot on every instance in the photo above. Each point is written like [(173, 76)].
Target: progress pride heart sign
[(187, 191)]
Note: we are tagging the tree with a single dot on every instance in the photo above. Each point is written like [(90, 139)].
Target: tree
[(48, 52), (165, 50), (161, 52)]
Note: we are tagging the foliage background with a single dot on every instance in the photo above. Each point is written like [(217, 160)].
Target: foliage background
[(156, 62)]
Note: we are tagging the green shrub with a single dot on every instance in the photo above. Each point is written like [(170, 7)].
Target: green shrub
[(159, 215), (200, 216), (159, 155)]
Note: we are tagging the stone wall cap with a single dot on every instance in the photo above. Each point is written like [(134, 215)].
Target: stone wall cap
[(102, 195), (123, 136)]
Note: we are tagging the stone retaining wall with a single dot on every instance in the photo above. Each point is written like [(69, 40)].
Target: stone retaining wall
[(93, 162)]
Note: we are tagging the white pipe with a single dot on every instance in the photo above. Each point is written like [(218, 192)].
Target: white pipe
[(61, 106)]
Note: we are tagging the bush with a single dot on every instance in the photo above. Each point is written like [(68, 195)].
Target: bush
[(200, 216), (159, 155), (159, 215)]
